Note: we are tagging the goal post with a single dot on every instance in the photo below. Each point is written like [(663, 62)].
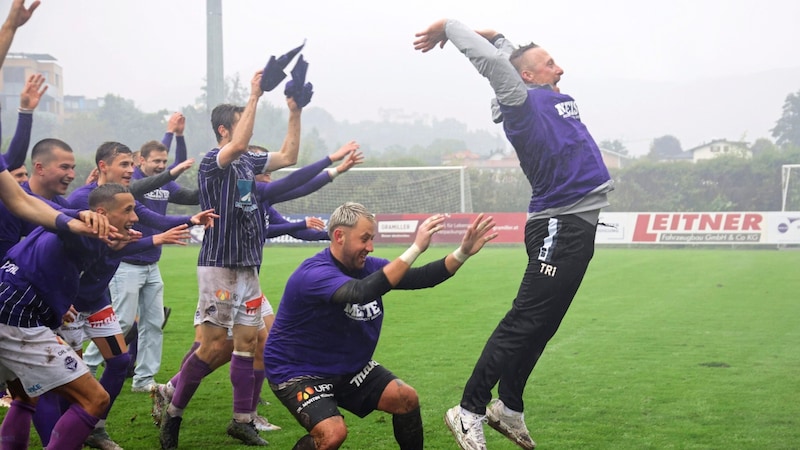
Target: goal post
[(790, 187), (389, 190)]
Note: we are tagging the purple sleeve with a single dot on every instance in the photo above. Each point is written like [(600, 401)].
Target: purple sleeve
[(167, 140), (18, 147), (278, 226), (155, 220), (145, 243), (180, 151), (314, 185), (268, 191)]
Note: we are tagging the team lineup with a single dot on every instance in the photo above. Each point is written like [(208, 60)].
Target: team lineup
[(84, 268)]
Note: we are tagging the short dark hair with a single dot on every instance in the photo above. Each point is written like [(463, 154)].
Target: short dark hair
[(151, 146), (108, 151), (43, 150), (104, 194), (225, 115), (257, 149), (517, 53)]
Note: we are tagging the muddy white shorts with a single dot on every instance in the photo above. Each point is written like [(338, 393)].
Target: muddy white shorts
[(228, 296), (39, 358), (90, 325)]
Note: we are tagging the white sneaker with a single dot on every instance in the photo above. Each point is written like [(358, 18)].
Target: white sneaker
[(148, 388), (467, 428), (511, 426), (262, 424), (161, 396)]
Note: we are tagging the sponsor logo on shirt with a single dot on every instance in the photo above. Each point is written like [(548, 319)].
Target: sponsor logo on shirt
[(10, 267), (366, 312), (158, 194), (245, 195), (568, 110)]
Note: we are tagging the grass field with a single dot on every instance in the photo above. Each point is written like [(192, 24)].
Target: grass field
[(662, 349)]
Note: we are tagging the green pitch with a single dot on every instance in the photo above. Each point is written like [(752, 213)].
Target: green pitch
[(662, 348)]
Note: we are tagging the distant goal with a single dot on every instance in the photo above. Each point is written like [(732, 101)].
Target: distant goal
[(790, 187), (388, 190)]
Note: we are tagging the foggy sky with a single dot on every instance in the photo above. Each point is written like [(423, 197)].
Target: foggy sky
[(362, 60)]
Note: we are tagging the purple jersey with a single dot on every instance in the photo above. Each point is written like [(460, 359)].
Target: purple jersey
[(237, 237), (157, 201), (40, 276), (94, 282), (12, 228), (313, 336), (555, 150)]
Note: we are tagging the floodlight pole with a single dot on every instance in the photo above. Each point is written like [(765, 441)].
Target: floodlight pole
[(215, 78)]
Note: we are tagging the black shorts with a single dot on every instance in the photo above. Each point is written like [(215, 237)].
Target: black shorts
[(312, 400)]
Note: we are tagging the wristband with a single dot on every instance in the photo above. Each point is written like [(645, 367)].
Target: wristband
[(62, 221), (333, 173), (25, 110), (496, 38), (410, 255), (460, 256)]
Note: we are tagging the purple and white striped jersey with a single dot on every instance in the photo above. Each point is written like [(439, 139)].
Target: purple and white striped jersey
[(237, 237)]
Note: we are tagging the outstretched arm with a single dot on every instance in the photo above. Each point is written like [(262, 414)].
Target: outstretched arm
[(287, 156), (28, 101), (382, 281), (244, 128), (31, 209), (490, 62), (479, 233), (175, 126), (17, 17)]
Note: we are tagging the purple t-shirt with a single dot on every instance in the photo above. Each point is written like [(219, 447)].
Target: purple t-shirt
[(313, 336), (555, 150)]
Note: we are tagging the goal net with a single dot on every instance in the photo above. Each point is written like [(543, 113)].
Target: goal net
[(388, 190), (790, 187)]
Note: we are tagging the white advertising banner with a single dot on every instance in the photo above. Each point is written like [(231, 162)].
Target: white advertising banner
[(700, 228)]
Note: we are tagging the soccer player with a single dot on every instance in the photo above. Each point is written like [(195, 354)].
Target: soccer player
[(17, 201), (319, 352), (137, 285), (295, 185), (569, 184), (38, 282), (29, 98), (230, 256), (53, 171), (101, 324)]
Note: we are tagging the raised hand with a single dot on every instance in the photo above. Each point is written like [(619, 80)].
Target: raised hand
[(352, 159), (32, 92), (343, 151), (176, 124), (427, 229), (478, 233), (255, 84), (433, 35), (19, 15)]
